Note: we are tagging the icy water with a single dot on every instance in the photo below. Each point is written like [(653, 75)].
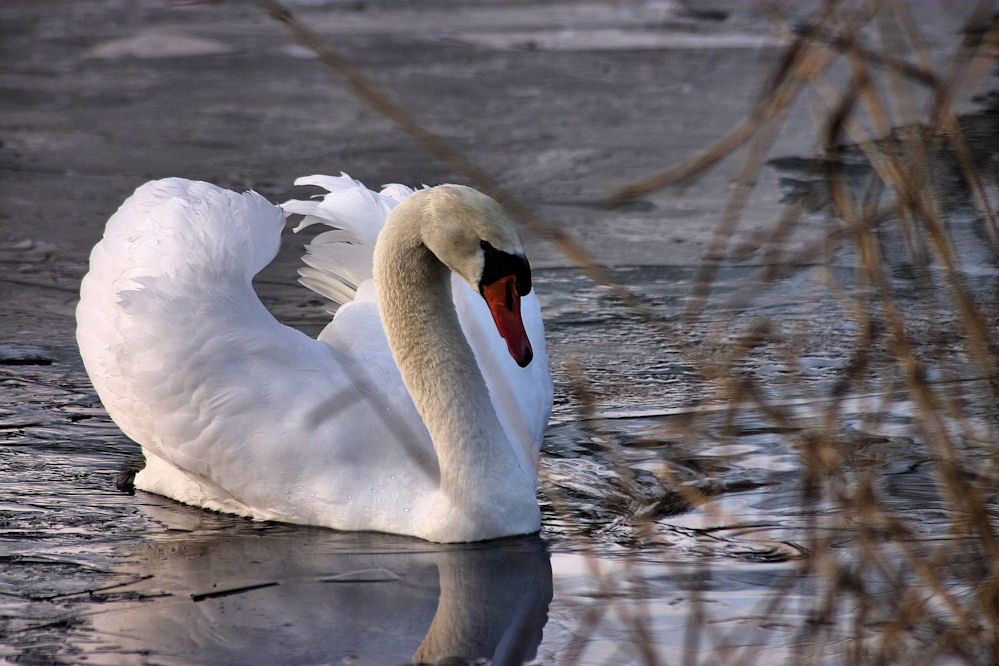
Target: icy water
[(625, 569), (93, 575)]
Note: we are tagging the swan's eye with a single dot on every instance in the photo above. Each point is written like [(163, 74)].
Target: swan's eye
[(499, 264)]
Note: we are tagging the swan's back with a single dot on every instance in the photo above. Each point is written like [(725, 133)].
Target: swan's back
[(172, 242)]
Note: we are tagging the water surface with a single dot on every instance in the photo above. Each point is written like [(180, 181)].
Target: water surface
[(630, 567)]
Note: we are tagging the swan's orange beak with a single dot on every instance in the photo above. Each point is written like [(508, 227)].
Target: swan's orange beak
[(504, 304)]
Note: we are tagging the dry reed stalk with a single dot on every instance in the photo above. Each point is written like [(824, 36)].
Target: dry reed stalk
[(886, 551), (966, 500), (452, 157)]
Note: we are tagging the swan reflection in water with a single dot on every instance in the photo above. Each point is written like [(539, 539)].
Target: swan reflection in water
[(224, 590)]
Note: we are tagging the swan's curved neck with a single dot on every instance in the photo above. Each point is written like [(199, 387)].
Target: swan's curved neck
[(437, 363)]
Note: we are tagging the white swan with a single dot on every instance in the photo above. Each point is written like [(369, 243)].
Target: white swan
[(410, 414)]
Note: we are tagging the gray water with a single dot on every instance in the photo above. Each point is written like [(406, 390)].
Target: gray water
[(90, 574), (592, 98)]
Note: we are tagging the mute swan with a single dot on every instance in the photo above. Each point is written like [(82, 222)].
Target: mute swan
[(419, 410)]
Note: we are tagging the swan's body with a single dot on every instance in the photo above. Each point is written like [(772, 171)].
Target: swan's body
[(408, 415)]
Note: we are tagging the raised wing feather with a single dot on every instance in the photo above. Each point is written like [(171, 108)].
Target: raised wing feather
[(339, 261)]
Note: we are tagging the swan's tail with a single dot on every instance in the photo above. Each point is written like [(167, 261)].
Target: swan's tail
[(338, 261)]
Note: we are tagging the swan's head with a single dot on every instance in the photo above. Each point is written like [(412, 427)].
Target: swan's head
[(471, 234)]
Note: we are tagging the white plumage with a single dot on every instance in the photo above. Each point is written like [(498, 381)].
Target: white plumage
[(238, 413)]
